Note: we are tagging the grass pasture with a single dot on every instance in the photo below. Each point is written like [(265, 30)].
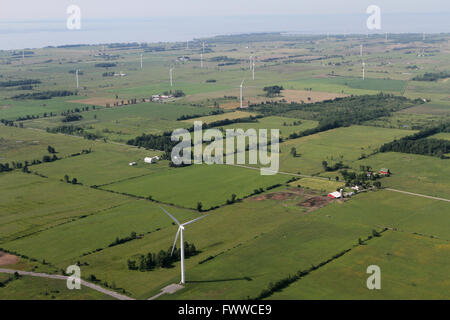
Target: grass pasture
[(34, 288), (45, 203), (275, 122), (411, 172), (98, 231), (212, 185), (346, 144), (411, 268)]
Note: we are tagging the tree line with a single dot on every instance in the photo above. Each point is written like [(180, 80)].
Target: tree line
[(420, 143), (14, 83), (432, 76), (44, 95), (163, 259)]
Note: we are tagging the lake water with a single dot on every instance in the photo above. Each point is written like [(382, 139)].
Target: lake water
[(35, 34)]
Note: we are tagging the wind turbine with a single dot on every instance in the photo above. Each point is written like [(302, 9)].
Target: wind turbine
[(250, 61), (253, 71), (171, 76), (360, 50), (241, 86), (141, 61), (180, 232), (76, 73), (363, 70), (201, 55)]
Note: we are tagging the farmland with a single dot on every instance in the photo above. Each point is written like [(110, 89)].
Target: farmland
[(75, 188)]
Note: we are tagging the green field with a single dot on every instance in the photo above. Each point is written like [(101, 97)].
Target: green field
[(34, 288), (413, 173), (284, 124), (212, 185), (410, 269), (342, 144)]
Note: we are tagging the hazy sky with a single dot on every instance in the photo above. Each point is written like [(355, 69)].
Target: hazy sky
[(56, 9)]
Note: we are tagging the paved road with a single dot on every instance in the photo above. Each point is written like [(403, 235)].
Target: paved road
[(59, 277), (417, 194)]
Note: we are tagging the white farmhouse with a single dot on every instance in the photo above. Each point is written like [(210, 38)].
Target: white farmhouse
[(151, 159)]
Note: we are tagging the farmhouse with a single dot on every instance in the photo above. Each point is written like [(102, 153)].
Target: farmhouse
[(385, 171), (151, 159)]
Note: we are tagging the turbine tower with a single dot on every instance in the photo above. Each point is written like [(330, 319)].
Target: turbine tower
[(76, 73), (250, 62), (360, 50), (241, 86), (253, 65), (201, 55), (171, 76), (363, 70), (141, 61), (180, 232)]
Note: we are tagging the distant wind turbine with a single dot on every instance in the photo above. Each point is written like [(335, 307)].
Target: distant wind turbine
[(363, 70), (250, 62), (76, 74), (171, 76), (201, 55), (361, 50), (241, 86), (253, 71), (180, 232)]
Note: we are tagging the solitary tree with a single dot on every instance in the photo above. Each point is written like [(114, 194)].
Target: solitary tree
[(294, 152)]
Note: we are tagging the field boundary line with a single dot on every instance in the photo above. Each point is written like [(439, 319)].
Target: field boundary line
[(60, 277)]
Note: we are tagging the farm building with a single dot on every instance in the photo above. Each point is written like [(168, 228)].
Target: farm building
[(385, 171), (151, 159), (335, 195)]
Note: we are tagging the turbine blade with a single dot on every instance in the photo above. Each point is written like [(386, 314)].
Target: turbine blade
[(192, 221), (175, 242), (171, 216)]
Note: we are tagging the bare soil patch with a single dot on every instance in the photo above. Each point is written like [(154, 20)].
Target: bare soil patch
[(273, 196), (315, 202), (7, 259)]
